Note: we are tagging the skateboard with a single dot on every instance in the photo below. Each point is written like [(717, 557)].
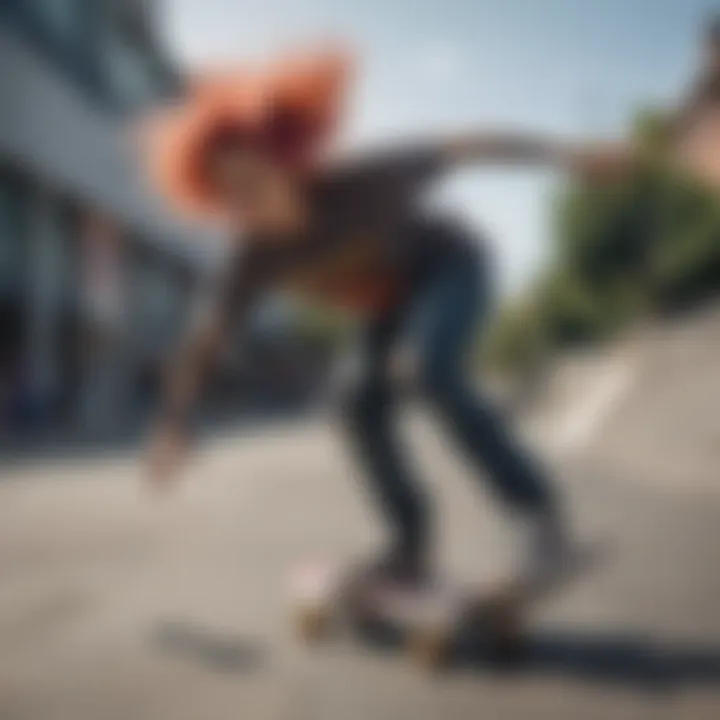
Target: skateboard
[(330, 600)]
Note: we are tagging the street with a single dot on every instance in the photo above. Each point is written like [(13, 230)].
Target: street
[(115, 603)]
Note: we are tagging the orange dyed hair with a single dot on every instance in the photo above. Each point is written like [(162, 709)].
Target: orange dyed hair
[(290, 110)]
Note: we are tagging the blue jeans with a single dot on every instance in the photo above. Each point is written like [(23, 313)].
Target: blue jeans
[(446, 311)]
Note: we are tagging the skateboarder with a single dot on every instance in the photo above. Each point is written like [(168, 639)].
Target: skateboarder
[(253, 151)]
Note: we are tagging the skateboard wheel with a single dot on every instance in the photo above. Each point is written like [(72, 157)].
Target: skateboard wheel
[(428, 650), (312, 624), (507, 632), (500, 620)]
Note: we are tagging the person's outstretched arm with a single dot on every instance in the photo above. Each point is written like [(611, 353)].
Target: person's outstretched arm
[(419, 161), (526, 149), (189, 367)]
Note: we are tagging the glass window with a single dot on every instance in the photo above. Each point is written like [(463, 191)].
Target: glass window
[(67, 257), (52, 263), (11, 256), (64, 17), (131, 72), (157, 303)]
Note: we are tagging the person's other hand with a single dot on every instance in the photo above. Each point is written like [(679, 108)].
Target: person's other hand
[(167, 451)]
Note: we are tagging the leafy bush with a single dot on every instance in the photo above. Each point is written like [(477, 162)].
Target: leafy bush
[(642, 243)]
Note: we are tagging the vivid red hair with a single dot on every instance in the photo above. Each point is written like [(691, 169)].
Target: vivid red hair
[(289, 110)]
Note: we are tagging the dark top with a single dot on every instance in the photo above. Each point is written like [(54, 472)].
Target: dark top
[(369, 241)]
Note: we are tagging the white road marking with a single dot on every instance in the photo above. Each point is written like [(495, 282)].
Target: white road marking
[(584, 419)]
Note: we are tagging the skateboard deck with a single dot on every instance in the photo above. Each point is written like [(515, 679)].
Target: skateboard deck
[(331, 600)]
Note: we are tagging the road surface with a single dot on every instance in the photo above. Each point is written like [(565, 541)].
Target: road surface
[(118, 605)]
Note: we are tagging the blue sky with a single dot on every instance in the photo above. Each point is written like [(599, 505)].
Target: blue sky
[(563, 66)]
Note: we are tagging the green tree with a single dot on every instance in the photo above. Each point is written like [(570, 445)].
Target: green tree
[(644, 242)]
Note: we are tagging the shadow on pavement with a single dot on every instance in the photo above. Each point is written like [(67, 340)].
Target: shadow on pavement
[(609, 659), (604, 659), (217, 650)]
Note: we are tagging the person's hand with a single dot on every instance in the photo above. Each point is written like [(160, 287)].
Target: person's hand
[(601, 162), (167, 451)]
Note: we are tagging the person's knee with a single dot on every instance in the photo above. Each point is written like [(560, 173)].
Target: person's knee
[(438, 380)]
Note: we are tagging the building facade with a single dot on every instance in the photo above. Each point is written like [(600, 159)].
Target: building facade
[(698, 120), (94, 272), (692, 125)]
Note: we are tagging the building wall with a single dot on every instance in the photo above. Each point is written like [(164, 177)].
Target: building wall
[(95, 273), (109, 48), (698, 149), (50, 129), (64, 164)]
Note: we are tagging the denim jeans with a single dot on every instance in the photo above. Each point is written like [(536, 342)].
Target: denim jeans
[(445, 313)]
